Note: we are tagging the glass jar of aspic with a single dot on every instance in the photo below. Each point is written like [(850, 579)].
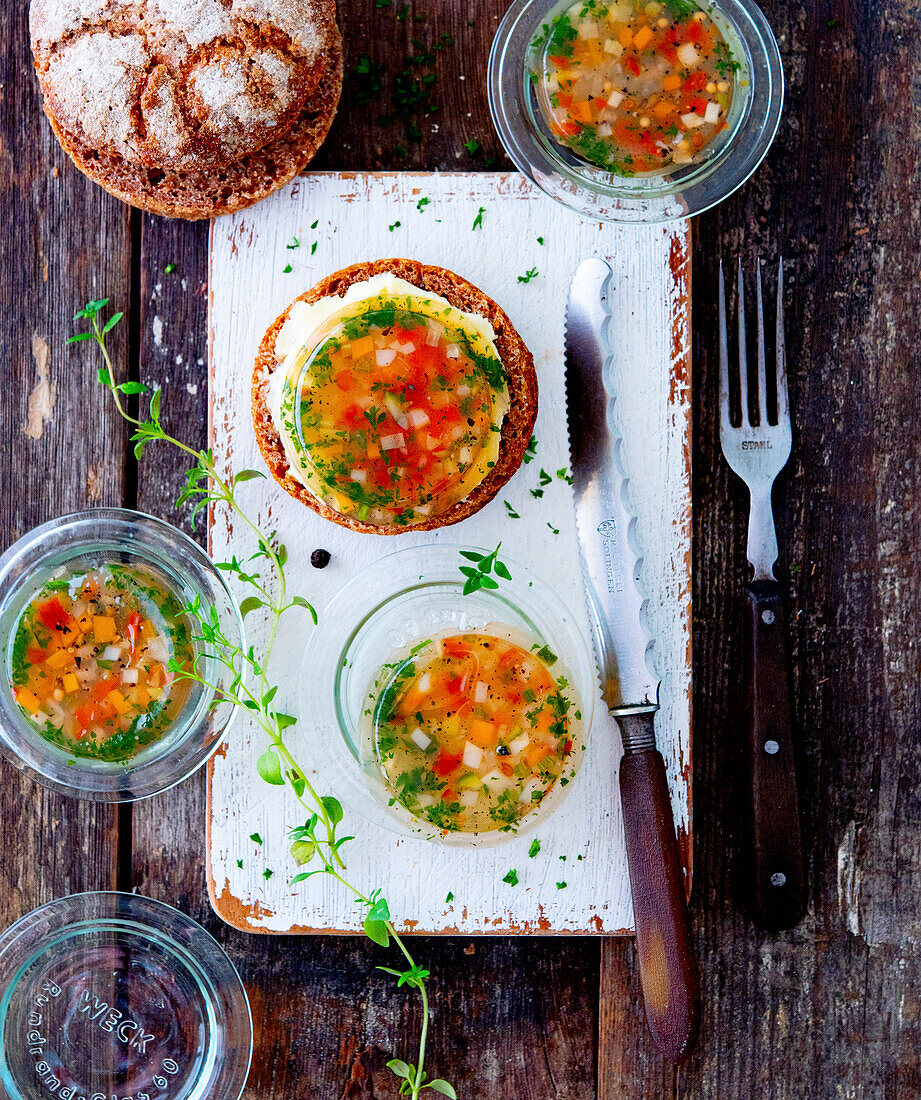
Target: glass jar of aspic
[(461, 719)]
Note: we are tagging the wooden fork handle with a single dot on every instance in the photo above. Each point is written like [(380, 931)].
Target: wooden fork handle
[(776, 892), (668, 968)]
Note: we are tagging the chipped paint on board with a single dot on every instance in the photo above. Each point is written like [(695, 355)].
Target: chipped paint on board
[(652, 370)]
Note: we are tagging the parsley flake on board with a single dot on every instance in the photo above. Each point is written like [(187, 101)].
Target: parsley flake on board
[(478, 220), (511, 511), (449, 897), (534, 849), (255, 837), (530, 274), (511, 878)]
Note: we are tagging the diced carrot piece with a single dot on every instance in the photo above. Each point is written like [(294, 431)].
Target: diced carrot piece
[(362, 347), (625, 37), (559, 61), (543, 721), (27, 699), (103, 628), (71, 683), (671, 83), (564, 99), (506, 768), (36, 656), (148, 630), (535, 753), (118, 701), (102, 687), (143, 696), (581, 111), (449, 795), (60, 659), (484, 734), (663, 109), (643, 37)]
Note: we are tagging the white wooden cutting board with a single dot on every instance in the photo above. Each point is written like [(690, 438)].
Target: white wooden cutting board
[(342, 219)]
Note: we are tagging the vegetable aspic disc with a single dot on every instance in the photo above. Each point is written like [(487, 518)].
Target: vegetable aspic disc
[(471, 732), (393, 396)]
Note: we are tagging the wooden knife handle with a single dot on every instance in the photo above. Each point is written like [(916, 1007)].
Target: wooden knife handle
[(668, 968), (775, 868)]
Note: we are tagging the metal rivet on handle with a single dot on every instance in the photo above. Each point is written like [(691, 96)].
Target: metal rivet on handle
[(778, 878), (767, 616), (771, 747)]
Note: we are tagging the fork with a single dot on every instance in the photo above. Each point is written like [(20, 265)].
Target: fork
[(757, 451)]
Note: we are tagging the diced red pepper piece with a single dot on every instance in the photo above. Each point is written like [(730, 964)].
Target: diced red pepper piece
[(51, 613), (102, 688), (446, 764), (696, 82), (633, 65), (35, 656)]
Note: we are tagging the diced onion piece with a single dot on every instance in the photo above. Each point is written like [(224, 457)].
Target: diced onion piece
[(463, 390), (688, 55), (130, 676), (392, 442), (692, 120), (157, 651), (469, 798), (423, 509), (519, 744), (420, 739), (425, 683), (418, 418), (682, 158), (473, 755), (464, 455), (712, 112), (434, 334), (613, 47), (426, 800), (111, 653), (383, 357), (528, 789), (604, 130), (361, 476), (480, 692), (408, 348), (452, 351), (496, 781), (588, 28)]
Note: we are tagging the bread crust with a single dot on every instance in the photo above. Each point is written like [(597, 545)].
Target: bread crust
[(209, 192), (516, 359)]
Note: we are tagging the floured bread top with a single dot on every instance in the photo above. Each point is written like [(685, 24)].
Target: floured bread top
[(179, 84)]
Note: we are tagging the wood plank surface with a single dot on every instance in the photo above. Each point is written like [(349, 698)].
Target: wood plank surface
[(829, 1010)]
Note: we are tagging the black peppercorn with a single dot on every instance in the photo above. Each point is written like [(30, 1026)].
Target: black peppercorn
[(319, 559)]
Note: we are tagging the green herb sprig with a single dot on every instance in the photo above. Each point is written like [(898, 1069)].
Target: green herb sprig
[(478, 574), (317, 841)]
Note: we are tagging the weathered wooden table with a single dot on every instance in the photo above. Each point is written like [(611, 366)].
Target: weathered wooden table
[(831, 1009)]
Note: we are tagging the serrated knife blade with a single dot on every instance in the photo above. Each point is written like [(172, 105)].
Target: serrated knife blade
[(606, 523), (611, 561)]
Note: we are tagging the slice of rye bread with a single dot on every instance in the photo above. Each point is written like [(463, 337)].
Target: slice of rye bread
[(210, 192), (179, 84), (516, 359)]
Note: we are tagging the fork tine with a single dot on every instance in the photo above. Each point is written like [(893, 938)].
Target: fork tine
[(725, 416), (743, 353), (763, 417), (783, 404)]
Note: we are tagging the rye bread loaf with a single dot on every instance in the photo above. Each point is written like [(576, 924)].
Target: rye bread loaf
[(188, 108), (516, 359)]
